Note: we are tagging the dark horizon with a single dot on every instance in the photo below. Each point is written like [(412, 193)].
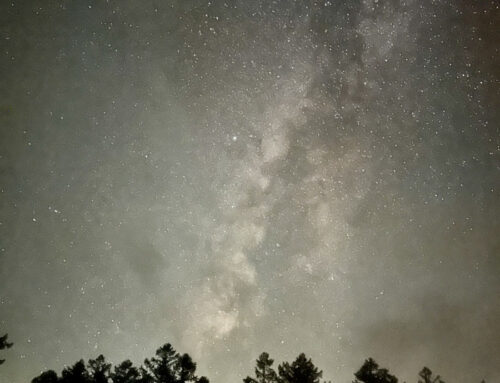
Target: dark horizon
[(170, 366), (238, 176)]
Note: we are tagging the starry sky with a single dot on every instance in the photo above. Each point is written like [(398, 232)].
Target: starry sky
[(244, 176)]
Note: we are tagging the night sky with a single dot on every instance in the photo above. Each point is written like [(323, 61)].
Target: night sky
[(243, 176)]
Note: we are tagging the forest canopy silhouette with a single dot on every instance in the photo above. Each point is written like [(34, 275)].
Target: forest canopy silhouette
[(169, 366)]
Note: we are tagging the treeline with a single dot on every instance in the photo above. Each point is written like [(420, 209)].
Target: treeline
[(168, 366)]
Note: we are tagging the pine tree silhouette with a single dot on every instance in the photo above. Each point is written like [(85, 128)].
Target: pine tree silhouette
[(371, 373), (125, 372), (46, 377), (426, 375), (264, 372), (99, 370), (167, 366), (75, 374), (302, 370)]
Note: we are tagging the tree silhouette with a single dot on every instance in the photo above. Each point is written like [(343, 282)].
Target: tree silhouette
[(371, 373), (75, 374), (46, 377), (144, 376), (162, 366), (264, 372), (187, 369), (169, 367), (125, 372), (4, 344), (99, 370), (302, 370), (426, 375)]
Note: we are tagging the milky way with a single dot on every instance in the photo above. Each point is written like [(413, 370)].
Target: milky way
[(245, 176)]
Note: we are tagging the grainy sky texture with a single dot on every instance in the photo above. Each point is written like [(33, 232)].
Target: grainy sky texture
[(244, 176)]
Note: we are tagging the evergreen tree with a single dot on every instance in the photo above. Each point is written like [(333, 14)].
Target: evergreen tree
[(371, 373), (145, 376), (46, 377), (99, 370), (169, 367), (264, 371), (186, 369), (4, 344), (302, 370), (75, 374), (162, 367), (125, 372), (426, 375)]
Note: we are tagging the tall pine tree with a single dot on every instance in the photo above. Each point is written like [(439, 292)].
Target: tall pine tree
[(264, 372), (302, 370)]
